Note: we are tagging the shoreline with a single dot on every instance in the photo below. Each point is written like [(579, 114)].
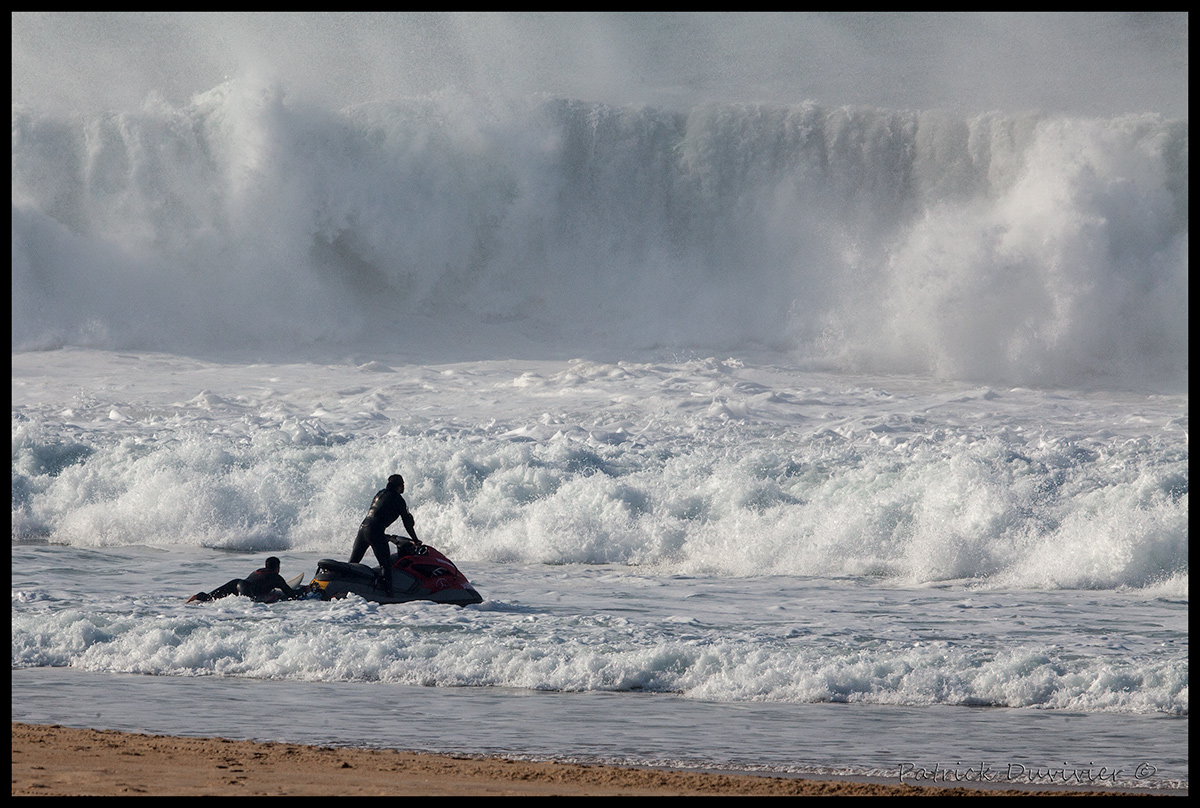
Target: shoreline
[(53, 760)]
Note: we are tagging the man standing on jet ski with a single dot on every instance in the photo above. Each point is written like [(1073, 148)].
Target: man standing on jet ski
[(259, 586), (387, 507)]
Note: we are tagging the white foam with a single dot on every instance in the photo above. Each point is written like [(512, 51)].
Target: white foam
[(577, 462), (568, 628), (1005, 247)]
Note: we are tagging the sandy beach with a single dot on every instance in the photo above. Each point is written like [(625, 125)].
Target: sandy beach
[(51, 760)]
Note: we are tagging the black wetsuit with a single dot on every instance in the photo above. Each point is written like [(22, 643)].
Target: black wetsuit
[(387, 507), (258, 585)]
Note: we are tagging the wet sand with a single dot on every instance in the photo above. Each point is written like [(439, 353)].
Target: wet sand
[(51, 760)]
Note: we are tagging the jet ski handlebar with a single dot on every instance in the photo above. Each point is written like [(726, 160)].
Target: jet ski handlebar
[(418, 548)]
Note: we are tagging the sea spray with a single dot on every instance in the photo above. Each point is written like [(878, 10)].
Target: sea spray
[(1012, 248), (801, 383)]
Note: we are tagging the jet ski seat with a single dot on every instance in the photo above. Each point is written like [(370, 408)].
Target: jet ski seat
[(346, 568)]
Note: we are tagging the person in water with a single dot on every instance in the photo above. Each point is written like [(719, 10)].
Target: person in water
[(387, 507), (264, 585)]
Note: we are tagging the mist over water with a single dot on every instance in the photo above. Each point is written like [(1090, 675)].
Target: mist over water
[(1095, 64), (755, 359), (454, 200)]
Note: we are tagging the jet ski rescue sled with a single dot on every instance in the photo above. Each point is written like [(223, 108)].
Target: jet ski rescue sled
[(418, 571)]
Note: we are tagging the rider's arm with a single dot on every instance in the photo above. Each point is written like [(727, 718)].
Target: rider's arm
[(409, 523)]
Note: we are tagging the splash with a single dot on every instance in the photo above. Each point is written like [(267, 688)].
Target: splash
[(1013, 248)]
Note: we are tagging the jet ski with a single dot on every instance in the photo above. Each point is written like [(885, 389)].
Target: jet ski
[(418, 571)]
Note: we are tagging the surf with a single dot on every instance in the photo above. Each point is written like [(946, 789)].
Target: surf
[(1004, 247)]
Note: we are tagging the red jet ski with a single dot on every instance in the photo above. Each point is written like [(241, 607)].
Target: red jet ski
[(419, 572)]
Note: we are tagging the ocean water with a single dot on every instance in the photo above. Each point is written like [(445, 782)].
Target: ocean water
[(803, 435)]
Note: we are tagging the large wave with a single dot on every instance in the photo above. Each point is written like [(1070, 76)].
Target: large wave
[(1022, 248)]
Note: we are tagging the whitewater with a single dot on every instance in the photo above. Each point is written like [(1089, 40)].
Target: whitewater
[(792, 436)]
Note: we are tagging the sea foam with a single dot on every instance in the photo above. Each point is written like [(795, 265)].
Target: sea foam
[(1004, 247)]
